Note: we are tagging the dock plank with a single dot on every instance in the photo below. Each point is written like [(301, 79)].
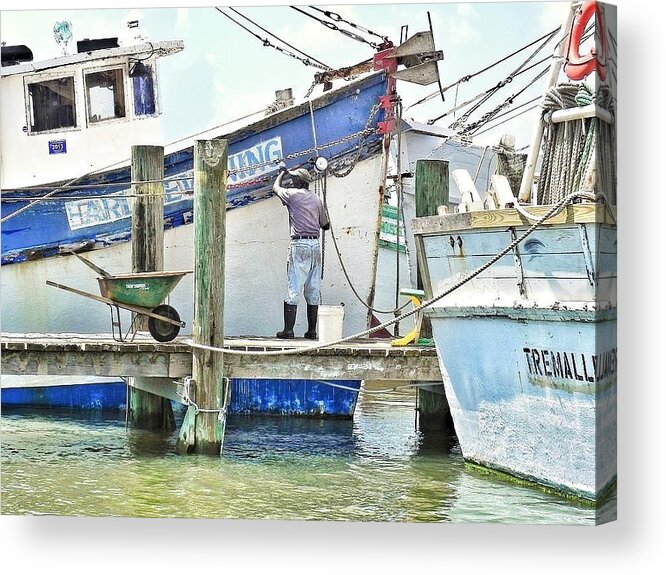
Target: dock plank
[(99, 354)]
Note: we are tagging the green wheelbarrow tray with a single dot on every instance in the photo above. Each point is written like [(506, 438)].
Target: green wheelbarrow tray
[(141, 293), (143, 289)]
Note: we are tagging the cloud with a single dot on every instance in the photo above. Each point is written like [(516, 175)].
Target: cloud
[(553, 14), (459, 27), (182, 26)]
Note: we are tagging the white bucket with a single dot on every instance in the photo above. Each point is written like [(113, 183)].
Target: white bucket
[(331, 318)]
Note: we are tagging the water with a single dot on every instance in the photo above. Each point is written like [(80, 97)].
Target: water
[(376, 468)]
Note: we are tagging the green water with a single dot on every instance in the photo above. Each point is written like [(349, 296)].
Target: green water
[(376, 468)]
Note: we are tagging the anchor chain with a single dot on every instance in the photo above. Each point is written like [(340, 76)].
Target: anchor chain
[(362, 134), (367, 130)]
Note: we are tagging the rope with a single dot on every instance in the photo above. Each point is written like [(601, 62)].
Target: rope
[(221, 411), (349, 281), (574, 150), (295, 351), (374, 391)]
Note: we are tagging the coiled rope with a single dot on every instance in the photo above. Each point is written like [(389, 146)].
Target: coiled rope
[(573, 150), (558, 207)]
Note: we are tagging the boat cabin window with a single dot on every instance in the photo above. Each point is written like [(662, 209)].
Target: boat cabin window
[(143, 87), (105, 95), (52, 104)]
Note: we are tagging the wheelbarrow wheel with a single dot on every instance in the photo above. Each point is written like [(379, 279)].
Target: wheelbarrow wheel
[(163, 330)]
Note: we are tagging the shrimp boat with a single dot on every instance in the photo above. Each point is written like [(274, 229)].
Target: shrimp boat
[(68, 125), (524, 290)]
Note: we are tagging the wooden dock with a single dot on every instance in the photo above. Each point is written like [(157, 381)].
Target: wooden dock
[(99, 354)]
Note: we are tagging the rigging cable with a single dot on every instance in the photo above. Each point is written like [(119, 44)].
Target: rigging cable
[(509, 118), (266, 42), (332, 26), (519, 70), (485, 92), (470, 129), (337, 18), (468, 77), (279, 39)]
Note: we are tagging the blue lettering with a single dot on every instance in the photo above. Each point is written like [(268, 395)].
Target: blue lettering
[(251, 160), (273, 149)]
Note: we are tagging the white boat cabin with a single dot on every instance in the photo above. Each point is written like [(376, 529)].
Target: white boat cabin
[(66, 117)]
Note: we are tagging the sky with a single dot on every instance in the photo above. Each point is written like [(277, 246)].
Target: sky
[(224, 72)]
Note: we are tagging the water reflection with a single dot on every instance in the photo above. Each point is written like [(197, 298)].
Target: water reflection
[(377, 467)]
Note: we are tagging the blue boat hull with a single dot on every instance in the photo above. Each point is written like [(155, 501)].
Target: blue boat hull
[(297, 397), (101, 217)]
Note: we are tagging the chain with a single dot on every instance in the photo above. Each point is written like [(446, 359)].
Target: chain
[(362, 134), (310, 90), (473, 127), (367, 131)]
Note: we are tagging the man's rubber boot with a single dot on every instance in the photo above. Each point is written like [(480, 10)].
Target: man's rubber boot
[(313, 311), (289, 321)]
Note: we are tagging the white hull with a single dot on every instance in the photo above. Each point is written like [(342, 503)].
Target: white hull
[(256, 250), (528, 347)]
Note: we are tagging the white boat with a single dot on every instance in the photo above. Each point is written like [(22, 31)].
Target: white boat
[(526, 335)]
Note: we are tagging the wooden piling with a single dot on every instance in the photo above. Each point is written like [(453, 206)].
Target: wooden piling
[(146, 410), (203, 427), (431, 191), (434, 410)]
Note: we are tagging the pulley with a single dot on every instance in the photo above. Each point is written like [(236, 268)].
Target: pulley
[(321, 164)]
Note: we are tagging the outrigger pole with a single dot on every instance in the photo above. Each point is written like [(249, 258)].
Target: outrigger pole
[(558, 61)]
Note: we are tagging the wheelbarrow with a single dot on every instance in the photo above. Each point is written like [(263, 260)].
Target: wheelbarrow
[(141, 293)]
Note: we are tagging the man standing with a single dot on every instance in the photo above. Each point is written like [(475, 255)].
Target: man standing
[(306, 217)]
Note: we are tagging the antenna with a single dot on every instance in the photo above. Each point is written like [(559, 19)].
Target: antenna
[(62, 32)]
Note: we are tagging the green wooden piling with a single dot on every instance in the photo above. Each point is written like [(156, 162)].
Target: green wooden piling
[(146, 410), (203, 427), (431, 191)]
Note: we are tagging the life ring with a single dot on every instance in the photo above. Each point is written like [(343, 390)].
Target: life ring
[(578, 67)]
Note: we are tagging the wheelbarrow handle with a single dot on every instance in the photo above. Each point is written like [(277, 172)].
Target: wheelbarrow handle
[(91, 265)]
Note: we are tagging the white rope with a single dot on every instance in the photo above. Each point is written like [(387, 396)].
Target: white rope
[(312, 121), (295, 351), (375, 391)]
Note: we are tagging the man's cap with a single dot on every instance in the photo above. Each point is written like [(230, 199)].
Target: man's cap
[(303, 174)]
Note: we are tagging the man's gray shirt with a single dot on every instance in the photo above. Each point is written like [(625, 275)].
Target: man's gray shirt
[(306, 211)]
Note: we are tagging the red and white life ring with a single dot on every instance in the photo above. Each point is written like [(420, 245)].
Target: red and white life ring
[(578, 67)]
